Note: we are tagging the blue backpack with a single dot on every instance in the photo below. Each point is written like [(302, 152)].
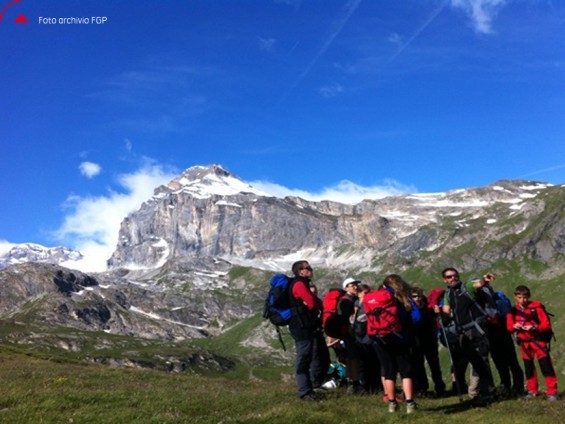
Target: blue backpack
[(503, 304), (277, 302)]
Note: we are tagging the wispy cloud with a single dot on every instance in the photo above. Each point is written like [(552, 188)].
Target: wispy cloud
[(90, 169), (5, 246), (266, 44), (402, 45), (344, 192), (481, 12), (91, 224), (293, 3), (331, 90), (543, 171), (336, 28)]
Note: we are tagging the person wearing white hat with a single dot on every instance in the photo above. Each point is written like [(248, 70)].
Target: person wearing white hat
[(346, 310)]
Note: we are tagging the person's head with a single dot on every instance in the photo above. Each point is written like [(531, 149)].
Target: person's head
[(417, 295), (302, 269), (362, 289), (350, 285), (396, 283), (450, 275), (400, 288), (522, 295)]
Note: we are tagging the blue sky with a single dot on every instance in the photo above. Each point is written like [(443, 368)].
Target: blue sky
[(330, 99)]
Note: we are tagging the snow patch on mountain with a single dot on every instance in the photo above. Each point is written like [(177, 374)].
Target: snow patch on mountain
[(31, 252), (204, 182)]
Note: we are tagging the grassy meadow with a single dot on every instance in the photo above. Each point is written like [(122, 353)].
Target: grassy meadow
[(42, 382), (38, 389)]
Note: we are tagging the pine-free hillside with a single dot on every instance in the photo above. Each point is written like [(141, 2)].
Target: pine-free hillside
[(192, 264)]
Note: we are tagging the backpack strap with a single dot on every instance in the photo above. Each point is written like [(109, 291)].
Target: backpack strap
[(461, 328)]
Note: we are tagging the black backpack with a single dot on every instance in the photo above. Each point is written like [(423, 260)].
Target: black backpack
[(469, 313)]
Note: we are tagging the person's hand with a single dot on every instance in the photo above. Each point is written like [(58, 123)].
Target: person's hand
[(489, 277)]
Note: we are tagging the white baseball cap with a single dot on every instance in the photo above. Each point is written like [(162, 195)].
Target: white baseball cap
[(348, 281)]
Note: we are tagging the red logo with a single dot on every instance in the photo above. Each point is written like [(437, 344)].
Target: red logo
[(21, 19)]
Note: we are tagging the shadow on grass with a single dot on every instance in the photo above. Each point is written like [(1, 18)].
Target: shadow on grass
[(460, 406)]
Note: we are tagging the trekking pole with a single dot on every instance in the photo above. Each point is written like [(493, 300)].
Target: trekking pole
[(280, 338), (457, 386)]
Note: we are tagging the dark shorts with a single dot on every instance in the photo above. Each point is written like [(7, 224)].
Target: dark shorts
[(394, 356)]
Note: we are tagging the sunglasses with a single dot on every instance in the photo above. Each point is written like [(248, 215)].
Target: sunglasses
[(451, 276)]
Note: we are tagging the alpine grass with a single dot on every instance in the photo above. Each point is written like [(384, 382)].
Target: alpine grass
[(42, 390)]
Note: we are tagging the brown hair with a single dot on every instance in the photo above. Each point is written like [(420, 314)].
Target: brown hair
[(400, 287), (297, 266), (523, 290)]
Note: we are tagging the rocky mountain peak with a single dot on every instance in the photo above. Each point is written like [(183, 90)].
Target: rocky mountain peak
[(31, 252), (202, 182)]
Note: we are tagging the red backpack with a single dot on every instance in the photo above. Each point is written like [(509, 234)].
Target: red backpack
[(330, 321), (435, 296), (383, 318)]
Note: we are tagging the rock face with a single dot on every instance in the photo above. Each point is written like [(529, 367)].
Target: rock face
[(30, 252), (195, 258), (207, 212), (42, 294)]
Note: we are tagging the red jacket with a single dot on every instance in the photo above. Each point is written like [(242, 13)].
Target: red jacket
[(532, 314), (301, 291)]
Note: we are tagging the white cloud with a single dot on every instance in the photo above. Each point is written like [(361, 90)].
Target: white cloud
[(395, 38), (90, 169), (344, 192), (92, 223), (266, 44), (331, 90), (5, 246), (481, 12)]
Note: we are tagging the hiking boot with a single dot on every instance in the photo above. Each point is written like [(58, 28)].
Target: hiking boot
[(440, 392), (411, 407), (503, 392), (356, 389), (310, 397), (552, 398), (392, 407), (480, 401)]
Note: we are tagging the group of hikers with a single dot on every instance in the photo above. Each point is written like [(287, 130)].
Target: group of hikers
[(378, 334)]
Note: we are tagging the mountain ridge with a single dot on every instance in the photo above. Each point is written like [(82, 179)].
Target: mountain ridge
[(193, 261)]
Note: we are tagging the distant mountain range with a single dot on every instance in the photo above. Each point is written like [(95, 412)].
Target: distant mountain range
[(208, 212), (30, 252), (195, 258)]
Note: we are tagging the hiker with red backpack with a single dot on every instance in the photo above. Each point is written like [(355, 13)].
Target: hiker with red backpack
[(388, 323), (370, 365), (346, 316), (529, 320)]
